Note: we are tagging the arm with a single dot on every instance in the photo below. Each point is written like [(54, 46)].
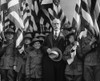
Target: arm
[(46, 46), (2, 51), (83, 50), (66, 54)]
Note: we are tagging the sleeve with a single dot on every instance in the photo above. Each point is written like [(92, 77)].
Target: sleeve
[(83, 50), (2, 51), (45, 45)]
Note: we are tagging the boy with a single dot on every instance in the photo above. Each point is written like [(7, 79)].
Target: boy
[(34, 61), (73, 71)]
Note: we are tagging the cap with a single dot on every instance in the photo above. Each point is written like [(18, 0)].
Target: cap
[(37, 40)]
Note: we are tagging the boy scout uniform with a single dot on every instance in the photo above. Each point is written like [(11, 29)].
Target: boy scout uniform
[(8, 59)]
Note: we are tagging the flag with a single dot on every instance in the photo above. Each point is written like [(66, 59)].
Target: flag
[(86, 19), (15, 16), (14, 13), (47, 7), (6, 21), (39, 20), (34, 15), (76, 18), (1, 27), (58, 12), (85, 12), (3, 8), (95, 12), (3, 5), (53, 9), (26, 15)]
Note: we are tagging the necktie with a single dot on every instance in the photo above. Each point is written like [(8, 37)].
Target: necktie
[(55, 35)]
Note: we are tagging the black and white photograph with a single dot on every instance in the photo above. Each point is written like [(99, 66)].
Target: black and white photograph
[(49, 40)]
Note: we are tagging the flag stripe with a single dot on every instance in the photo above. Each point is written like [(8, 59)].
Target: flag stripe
[(85, 12), (14, 17), (12, 3), (84, 5), (3, 5), (76, 18), (98, 21)]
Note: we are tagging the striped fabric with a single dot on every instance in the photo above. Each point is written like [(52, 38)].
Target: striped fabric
[(6, 21), (53, 9), (76, 18), (3, 4), (3, 8), (95, 12), (97, 15), (14, 13), (15, 17), (58, 12), (26, 16), (39, 20), (34, 15), (86, 19), (85, 12)]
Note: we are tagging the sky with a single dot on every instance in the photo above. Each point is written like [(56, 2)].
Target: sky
[(68, 8)]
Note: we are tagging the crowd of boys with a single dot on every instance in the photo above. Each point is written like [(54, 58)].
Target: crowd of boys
[(58, 57)]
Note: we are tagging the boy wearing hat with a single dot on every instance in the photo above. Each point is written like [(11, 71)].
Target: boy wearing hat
[(34, 59), (8, 58), (21, 60), (88, 52), (73, 71)]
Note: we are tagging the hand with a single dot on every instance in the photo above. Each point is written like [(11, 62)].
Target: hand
[(92, 41), (14, 67), (49, 50), (94, 45), (4, 45), (21, 50)]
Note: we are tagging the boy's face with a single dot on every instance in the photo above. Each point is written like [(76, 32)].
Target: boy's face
[(9, 36), (27, 41), (71, 39), (37, 45)]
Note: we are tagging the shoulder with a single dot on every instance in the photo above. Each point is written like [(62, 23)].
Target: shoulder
[(62, 35), (48, 36)]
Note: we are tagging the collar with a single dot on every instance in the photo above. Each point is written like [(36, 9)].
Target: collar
[(57, 32)]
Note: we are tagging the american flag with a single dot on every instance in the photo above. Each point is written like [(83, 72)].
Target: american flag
[(26, 16), (96, 13), (15, 16), (58, 12), (3, 7), (94, 8), (3, 10), (39, 21), (76, 17), (89, 15), (53, 9), (86, 18)]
